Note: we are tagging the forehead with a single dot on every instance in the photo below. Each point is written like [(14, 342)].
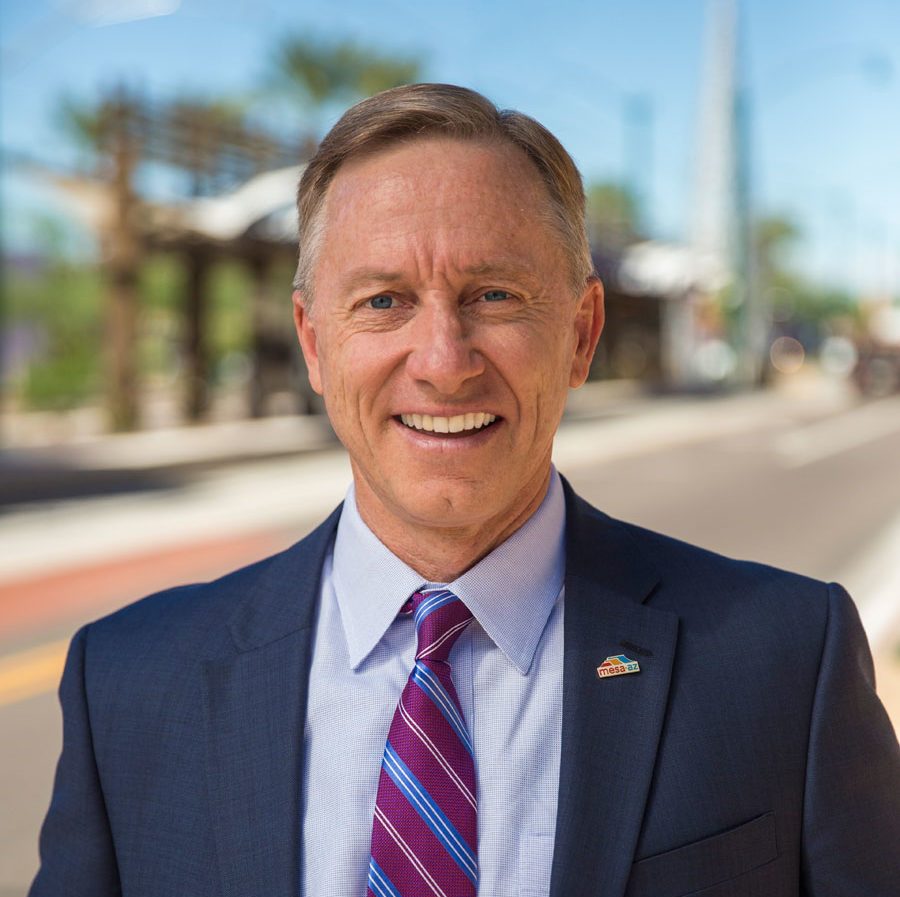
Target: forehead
[(440, 191), (443, 163)]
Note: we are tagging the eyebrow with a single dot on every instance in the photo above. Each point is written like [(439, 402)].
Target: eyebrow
[(371, 276), (500, 269), (368, 277)]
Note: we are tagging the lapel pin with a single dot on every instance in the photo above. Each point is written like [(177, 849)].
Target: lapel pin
[(618, 665)]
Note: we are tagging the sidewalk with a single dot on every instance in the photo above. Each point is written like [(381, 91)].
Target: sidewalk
[(124, 463)]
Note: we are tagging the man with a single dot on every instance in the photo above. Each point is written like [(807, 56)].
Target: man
[(592, 708)]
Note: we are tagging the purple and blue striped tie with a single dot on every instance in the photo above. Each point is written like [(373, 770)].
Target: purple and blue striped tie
[(424, 835)]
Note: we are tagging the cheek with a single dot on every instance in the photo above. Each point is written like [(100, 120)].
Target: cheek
[(335, 360), (358, 376), (543, 359)]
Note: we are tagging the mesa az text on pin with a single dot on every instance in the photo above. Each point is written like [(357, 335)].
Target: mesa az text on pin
[(617, 666)]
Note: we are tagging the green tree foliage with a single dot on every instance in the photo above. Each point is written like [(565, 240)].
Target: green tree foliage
[(82, 121), (229, 288), (612, 214), (812, 305), (773, 238), (320, 72), (796, 303), (56, 309)]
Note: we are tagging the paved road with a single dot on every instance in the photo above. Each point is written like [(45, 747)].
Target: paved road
[(805, 479), (791, 492)]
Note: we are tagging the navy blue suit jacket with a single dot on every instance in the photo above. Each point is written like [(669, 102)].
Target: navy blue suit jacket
[(749, 756)]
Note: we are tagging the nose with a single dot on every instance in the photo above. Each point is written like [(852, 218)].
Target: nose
[(442, 354)]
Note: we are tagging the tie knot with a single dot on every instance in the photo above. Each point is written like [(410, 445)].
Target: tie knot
[(440, 617)]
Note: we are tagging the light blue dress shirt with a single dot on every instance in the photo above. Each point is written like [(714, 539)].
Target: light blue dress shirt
[(507, 668)]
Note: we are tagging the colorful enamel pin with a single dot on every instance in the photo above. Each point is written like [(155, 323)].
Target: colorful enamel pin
[(617, 666)]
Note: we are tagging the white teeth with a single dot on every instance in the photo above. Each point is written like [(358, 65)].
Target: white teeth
[(459, 423)]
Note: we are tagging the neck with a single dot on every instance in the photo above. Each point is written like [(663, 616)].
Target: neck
[(444, 553)]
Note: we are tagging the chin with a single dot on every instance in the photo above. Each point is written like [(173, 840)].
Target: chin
[(446, 503)]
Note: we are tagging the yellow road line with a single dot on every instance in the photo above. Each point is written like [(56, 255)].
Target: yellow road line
[(32, 672)]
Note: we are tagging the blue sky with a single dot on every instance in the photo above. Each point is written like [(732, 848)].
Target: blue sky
[(823, 76)]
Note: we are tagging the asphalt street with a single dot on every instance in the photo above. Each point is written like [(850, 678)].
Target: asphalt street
[(804, 477)]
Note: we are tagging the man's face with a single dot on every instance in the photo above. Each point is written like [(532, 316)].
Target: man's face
[(444, 333)]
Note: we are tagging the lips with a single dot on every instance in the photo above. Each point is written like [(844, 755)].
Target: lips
[(458, 423)]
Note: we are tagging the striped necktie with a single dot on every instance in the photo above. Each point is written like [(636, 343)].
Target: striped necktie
[(424, 835)]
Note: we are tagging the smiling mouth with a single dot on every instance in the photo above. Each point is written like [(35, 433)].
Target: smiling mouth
[(459, 423)]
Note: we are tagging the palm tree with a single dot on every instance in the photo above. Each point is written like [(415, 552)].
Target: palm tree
[(612, 215), (320, 72)]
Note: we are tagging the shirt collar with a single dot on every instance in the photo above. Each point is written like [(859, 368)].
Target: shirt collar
[(510, 592)]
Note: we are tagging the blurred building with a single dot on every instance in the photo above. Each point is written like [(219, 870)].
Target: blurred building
[(658, 326)]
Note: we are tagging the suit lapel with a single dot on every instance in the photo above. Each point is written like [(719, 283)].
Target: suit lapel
[(256, 714), (256, 710), (611, 726)]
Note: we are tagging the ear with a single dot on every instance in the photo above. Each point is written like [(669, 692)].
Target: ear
[(589, 317), (306, 333)]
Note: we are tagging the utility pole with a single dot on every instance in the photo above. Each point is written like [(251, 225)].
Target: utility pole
[(722, 225)]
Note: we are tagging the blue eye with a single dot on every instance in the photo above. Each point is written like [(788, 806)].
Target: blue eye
[(381, 301), (495, 296)]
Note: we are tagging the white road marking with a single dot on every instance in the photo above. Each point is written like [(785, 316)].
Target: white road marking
[(839, 434)]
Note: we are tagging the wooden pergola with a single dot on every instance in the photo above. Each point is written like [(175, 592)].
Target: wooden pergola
[(222, 158)]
